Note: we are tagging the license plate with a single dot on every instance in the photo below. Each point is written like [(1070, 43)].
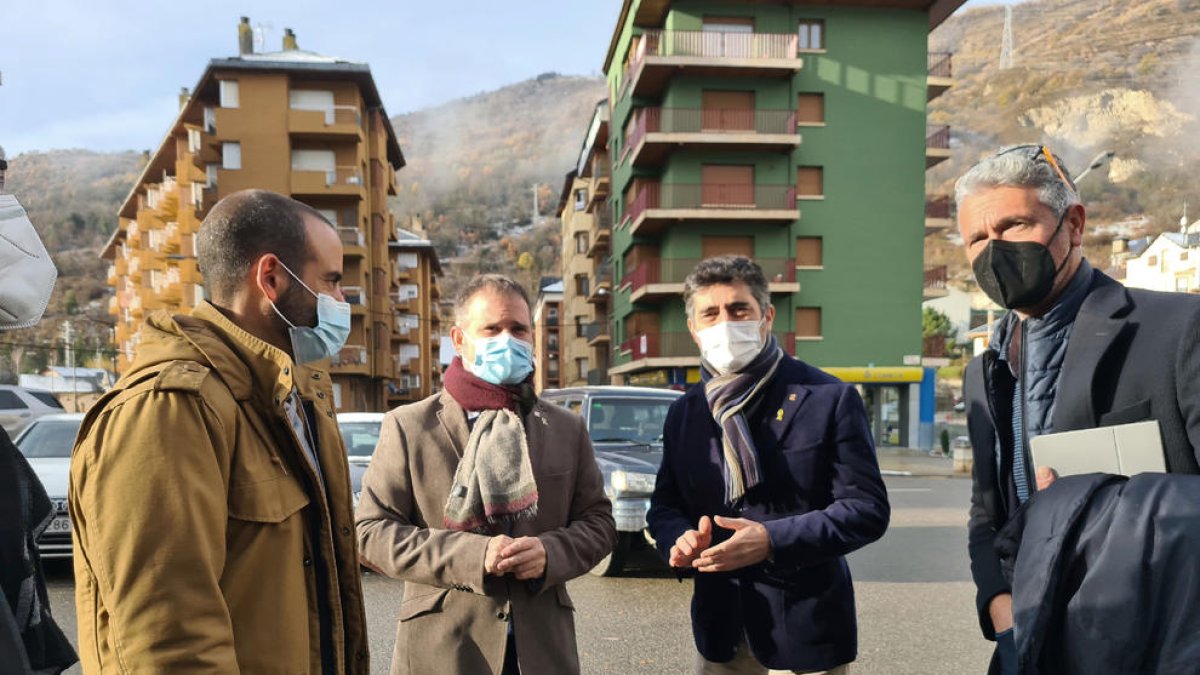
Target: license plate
[(60, 524)]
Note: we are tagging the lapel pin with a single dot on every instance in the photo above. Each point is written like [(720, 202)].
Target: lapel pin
[(791, 397), (779, 415)]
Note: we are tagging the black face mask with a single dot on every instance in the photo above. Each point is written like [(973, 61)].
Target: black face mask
[(1018, 273)]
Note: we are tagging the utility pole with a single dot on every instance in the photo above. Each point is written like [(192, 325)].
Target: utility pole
[(1006, 43)]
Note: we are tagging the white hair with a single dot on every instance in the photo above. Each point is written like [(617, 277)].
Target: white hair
[(1020, 169)]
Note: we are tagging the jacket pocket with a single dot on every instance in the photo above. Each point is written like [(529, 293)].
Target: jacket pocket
[(1131, 413), (269, 501), (564, 598), (411, 608)]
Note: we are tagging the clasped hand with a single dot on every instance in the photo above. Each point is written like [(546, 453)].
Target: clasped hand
[(523, 557)]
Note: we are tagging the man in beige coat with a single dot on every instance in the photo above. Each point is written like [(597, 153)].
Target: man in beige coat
[(209, 490), (485, 501)]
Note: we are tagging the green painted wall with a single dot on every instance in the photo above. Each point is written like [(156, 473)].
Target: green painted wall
[(872, 150)]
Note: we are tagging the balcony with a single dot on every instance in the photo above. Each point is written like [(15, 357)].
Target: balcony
[(344, 180), (403, 329), (599, 245), (601, 287), (338, 122), (658, 206), (934, 346), (403, 364), (939, 214), (401, 301), (353, 242), (660, 55), (658, 132), (941, 74), (935, 282), (356, 296), (658, 350), (937, 145), (351, 357), (658, 280), (598, 376), (596, 333)]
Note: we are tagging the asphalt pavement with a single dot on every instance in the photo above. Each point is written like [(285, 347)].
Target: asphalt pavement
[(913, 587)]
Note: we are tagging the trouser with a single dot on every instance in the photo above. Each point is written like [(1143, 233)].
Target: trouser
[(744, 663)]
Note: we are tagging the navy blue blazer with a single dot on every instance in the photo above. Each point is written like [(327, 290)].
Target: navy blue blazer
[(821, 497)]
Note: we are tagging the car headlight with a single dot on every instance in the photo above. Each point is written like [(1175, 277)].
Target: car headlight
[(628, 481)]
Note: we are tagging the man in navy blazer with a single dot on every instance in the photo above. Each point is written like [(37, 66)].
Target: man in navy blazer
[(769, 478)]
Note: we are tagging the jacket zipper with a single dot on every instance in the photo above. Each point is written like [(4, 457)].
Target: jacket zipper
[(1024, 419)]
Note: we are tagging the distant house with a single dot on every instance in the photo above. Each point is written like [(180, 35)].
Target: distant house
[(1170, 263), (63, 380)]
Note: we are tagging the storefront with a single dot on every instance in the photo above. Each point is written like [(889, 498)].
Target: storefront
[(899, 402)]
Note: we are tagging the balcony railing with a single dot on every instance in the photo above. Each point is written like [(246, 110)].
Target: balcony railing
[(940, 64), (935, 278), (717, 44), (354, 295), (710, 120), (597, 376), (675, 270), (937, 137), (681, 344), (711, 196), (595, 329), (938, 208), (351, 236), (401, 299), (350, 355), (603, 220), (344, 175)]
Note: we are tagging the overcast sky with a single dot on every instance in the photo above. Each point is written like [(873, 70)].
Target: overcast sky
[(105, 74)]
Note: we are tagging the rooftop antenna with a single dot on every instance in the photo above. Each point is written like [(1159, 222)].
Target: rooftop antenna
[(1006, 43)]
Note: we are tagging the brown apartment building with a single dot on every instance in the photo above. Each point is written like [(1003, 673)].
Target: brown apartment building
[(314, 128), (586, 266)]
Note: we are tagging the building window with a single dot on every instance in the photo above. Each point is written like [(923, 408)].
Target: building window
[(210, 174), (193, 136), (552, 367), (808, 252), (581, 285), (581, 198), (1183, 256), (552, 316), (812, 34), (582, 366), (229, 94), (581, 242), (808, 323), (231, 155), (1183, 284), (1153, 261), (810, 181), (810, 109), (210, 119), (552, 343), (580, 327)]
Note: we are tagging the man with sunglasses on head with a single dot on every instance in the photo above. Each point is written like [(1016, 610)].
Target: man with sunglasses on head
[(1078, 350)]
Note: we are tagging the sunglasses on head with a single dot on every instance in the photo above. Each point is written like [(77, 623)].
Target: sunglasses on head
[(1034, 152)]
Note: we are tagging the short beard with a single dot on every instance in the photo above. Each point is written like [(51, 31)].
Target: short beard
[(298, 306)]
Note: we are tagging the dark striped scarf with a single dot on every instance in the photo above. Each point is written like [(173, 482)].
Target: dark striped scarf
[(728, 397)]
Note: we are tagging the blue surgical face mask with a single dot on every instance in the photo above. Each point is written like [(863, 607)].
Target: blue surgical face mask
[(325, 339), (502, 359)]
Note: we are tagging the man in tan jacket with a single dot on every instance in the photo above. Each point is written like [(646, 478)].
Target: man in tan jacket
[(485, 500), (209, 490)]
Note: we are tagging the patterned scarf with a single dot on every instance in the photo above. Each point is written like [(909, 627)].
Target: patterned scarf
[(728, 397), (494, 480)]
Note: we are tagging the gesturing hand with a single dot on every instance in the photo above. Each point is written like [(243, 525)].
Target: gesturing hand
[(749, 545), (690, 543)]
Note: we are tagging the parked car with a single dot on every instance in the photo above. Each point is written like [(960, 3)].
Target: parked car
[(626, 427), (47, 444), (20, 406), (360, 432)]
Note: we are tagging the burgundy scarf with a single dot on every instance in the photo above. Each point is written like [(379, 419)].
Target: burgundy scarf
[(475, 395)]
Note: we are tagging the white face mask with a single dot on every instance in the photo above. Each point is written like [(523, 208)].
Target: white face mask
[(27, 274), (730, 346)]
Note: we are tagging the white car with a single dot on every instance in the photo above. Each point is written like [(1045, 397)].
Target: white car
[(360, 432), (47, 444), (20, 406)]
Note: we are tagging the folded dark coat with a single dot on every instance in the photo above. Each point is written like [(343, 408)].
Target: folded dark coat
[(1103, 575)]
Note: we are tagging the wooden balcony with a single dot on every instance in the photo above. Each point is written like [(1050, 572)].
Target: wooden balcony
[(660, 280), (941, 74), (660, 55), (599, 245), (937, 145), (658, 132), (658, 206), (935, 283), (939, 214)]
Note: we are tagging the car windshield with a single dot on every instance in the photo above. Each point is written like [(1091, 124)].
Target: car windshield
[(49, 438), (360, 437), (628, 420)]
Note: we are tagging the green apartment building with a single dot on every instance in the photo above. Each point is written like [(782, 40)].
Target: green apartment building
[(791, 132)]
